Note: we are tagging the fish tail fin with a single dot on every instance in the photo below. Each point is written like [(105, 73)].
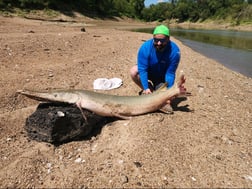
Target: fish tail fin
[(180, 84), (181, 78)]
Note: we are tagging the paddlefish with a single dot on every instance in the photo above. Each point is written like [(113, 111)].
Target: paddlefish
[(109, 105)]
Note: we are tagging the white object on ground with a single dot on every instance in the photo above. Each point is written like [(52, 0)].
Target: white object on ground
[(107, 84)]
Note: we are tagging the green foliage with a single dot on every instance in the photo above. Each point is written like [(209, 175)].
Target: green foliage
[(236, 11), (138, 6), (199, 10), (123, 7)]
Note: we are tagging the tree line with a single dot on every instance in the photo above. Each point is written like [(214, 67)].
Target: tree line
[(236, 11)]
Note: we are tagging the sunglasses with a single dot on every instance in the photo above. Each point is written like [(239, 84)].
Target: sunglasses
[(156, 40)]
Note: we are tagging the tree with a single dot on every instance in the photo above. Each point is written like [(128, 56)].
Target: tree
[(137, 6), (236, 11)]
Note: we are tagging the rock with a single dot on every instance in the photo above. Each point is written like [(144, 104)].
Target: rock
[(57, 123)]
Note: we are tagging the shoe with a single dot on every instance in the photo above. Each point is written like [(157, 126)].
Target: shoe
[(140, 92)]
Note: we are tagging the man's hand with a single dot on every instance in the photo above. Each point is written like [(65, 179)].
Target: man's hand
[(147, 91)]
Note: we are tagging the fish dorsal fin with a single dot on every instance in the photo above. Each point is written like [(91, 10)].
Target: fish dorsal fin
[(163, 87)]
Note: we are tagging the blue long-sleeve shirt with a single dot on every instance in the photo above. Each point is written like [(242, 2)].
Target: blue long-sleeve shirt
[(157, 66)]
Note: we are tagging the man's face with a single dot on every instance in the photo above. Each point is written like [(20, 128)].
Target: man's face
[(160, 41)]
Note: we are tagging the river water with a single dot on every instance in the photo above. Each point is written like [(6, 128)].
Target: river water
[(233, 49)]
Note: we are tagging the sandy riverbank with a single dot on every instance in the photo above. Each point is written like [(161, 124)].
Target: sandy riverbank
[(208, 147)]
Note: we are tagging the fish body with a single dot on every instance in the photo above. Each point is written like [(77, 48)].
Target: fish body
[(106, 104)]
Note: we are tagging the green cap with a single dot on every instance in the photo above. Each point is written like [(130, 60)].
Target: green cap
[(162, 29)]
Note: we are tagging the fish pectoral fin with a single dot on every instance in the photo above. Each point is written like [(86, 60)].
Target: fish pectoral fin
[(167, 109), (78, 104)]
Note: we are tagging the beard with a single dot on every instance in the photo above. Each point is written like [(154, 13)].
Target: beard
[(160, 48)]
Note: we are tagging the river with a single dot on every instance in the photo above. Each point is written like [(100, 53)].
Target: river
[(233, 49)]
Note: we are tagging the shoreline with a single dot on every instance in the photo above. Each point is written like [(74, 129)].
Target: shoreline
[(213, 26), (121, 21)]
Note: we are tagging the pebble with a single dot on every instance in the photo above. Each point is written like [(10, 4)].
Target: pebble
[(120, 161), (137, 164), (60, 114), (78, 160), (194, 179), (247, 177), (124, 179), (8, 139), (49, 165), (50, 75)]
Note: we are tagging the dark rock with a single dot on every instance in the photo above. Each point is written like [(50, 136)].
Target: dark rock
[(59, 123)]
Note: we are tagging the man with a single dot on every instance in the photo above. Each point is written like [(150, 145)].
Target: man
[(157, 62)]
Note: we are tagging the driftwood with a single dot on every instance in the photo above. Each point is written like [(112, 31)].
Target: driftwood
[(59, 123)]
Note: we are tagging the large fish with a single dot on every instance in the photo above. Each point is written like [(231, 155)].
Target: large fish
[(110, 105)]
